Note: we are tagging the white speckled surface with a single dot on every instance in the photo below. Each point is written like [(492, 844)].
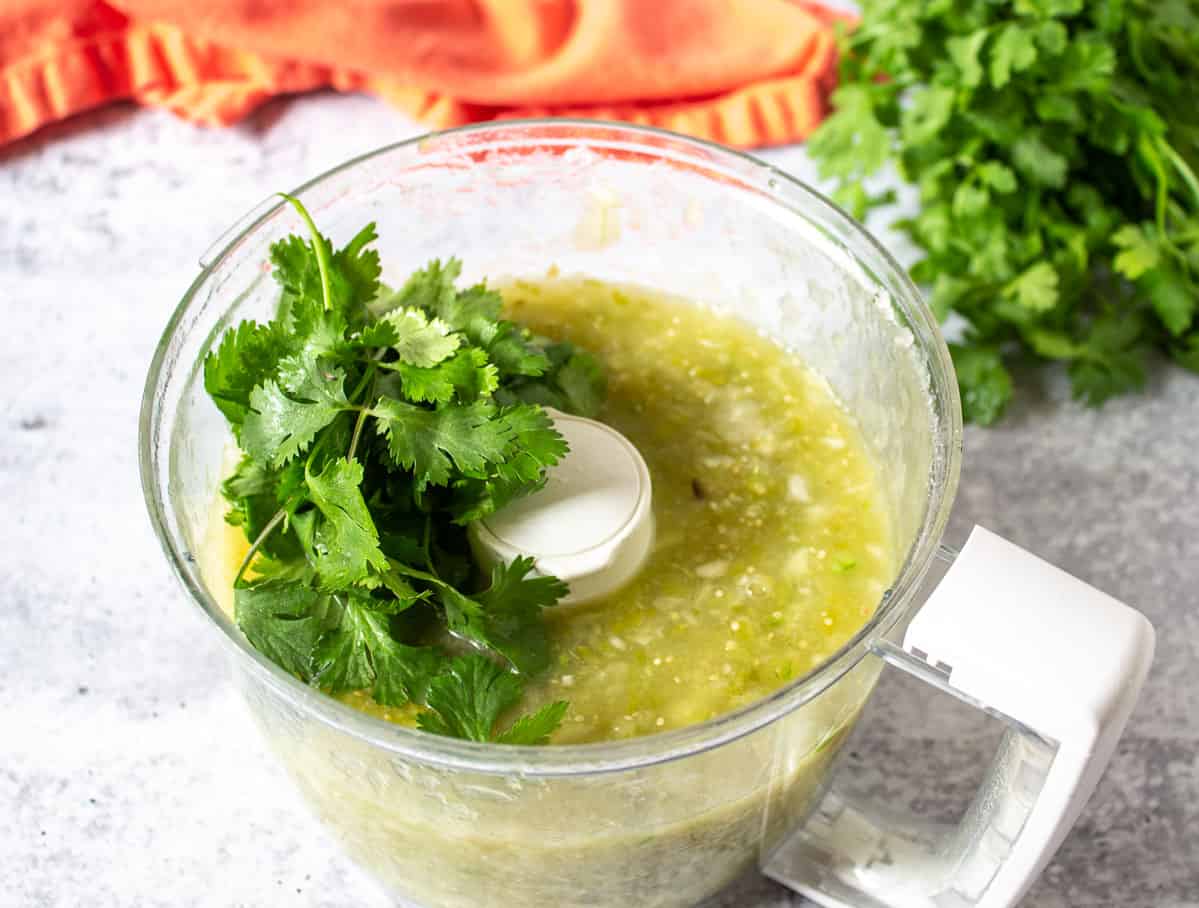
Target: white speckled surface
[(129, 774)]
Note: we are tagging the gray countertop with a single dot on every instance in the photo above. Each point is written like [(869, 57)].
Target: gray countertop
[(129, 773)]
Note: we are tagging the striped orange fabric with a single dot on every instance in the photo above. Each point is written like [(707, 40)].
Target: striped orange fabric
[(742, 72)]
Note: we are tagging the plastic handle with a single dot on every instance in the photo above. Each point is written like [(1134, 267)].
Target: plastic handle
[(591, 525), (1062, 664)]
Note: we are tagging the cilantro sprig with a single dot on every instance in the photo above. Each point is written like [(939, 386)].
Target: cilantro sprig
[(1055, 145), (375, 425)]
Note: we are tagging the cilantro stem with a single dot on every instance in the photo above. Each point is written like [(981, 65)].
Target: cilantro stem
[(359, 423), (1162, 194), (313, 451), (406, 571), (425, 544), (257, 543), (1184, 171), (370, 375), (318, 246), (367, 376)]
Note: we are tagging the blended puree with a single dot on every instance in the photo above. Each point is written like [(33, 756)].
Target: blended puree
[(771, 544)]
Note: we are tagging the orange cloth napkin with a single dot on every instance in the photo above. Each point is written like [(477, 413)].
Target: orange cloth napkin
[(742, 72)]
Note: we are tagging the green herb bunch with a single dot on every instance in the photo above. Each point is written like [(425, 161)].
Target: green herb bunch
[(1055, 145), (374, 426)]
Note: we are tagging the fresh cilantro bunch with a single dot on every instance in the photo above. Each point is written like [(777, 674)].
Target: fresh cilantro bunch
[(374, 426), (1055, 145)]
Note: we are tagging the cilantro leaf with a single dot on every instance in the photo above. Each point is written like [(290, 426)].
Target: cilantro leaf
[(535, 728), (285, 416), (354, 561), (1172, 298), (282, 620), (852, 138), (352, 272), (1060, 109), (1036, 288), (280, 427), (359, 266), (416, 339), (255, 492), (1097, 380), (402, 673), (324, 336), (931, 109), (475, 312), (463, 615), (1033, 157), (1013, 50), (360, 653), (340, 660), (1048, 7), (1138, 251), (970, 200), (403, 594), (431, 289), (1053, 344), (347, 542), (467, 699), (533, 444), (247, 356), (249, 479), (1186, 353), (506, 617), (984, 383), (583, 384), (297, 272), (1114, 359), (467, 376), (1087, 65), (509, 348), (1055, 167), (574, 383), (431, 443), (965, 51), (512, 588), (474, 499)]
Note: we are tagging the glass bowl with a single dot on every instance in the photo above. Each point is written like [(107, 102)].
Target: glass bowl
[(661, 820)]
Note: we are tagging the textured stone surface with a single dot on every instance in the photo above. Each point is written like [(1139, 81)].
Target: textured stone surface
[(129, 774)]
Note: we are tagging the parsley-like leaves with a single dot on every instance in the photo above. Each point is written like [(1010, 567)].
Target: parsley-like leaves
[(282, 621), (359, 563), (467, 699), (437, 444), (1056, 163), (506, 617), (346, 543), (286, 414)]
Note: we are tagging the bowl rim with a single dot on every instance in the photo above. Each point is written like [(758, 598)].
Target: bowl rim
[(605, 756)]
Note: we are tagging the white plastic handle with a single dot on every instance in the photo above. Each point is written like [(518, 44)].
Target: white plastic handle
[(1062, 663), (591, 525)]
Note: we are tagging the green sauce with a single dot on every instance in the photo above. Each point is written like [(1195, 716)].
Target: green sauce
[(772, 550), (771, 546)]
